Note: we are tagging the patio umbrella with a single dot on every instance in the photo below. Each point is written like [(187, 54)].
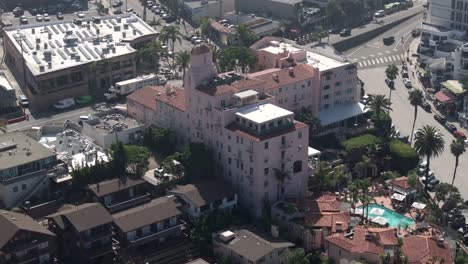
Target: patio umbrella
[(358, 211), (377, 211), (380, 220), (417, 205), (398, 197)]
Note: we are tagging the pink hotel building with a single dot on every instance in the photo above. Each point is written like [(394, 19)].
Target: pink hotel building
[(246, 120)]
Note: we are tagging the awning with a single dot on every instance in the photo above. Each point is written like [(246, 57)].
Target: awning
[(380, 220), (340, 113), (443, 97), (418, 205), (454, 86), (377, 211), (313, 152), (398, 197)]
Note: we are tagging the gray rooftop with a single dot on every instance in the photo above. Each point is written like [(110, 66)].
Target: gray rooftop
[(16, 149), (56, 45), (109, 123)]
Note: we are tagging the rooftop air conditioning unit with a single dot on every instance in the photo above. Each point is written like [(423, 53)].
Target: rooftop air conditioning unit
[(226, 236)]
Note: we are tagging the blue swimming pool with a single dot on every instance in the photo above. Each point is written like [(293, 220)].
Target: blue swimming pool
[(394, 219)]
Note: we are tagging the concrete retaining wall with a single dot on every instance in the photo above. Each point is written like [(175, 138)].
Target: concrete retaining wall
[(354, 41)]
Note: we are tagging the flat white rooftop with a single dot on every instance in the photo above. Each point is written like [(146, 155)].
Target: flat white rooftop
[(262, 113), (56, 45)]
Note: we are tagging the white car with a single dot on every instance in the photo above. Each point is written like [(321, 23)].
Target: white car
[(38, 17), (379, 13), (46, 17), (85, 118), (80, 15), (407, 83)]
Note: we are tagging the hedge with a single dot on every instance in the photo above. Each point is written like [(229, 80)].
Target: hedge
[(404, 157), (356, 147)]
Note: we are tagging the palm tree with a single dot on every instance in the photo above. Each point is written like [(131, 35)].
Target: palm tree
[(296, 256), (155, 22), (430, 143), (205, 23), (182, 59), (320, 34), (392, 73), (378, 104), (170, 35), (151, 53), (457, 147), (215, 54), (245, 35), (415, 98)]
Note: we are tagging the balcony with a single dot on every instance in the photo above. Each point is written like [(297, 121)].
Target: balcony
[(95, 235), (96, 252), (25, 244), (30, 256), (285, 146), (14, 179), (153, 236), (129, 203)]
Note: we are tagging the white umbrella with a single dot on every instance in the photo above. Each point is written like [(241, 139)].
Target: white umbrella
[(398, 197), (417, 205), (358, 211), (377, 211), (380, 220)]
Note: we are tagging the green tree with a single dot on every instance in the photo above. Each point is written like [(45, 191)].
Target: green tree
[(430, 143), (233, 56), (322, 179), (198, 161), (137, 159), (306, 116), (245, 36), (161, 139), (378, 105), (416, 97), (296, 256), (155, 22), (391, 72), (151, 53), (170, 35), (119, 157), (205, 23), (457, 148), (182, 59), (334, 11)]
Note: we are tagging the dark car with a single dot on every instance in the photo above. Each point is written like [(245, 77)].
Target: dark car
[(334, 30), (451, 128), (426, 106), (345, 32), (117, 4), (33, 12), (18, 11), (390, 83), (59, 16), (404, 74), (440, 118), (388, 40)]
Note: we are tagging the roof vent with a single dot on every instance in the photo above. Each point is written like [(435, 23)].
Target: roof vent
[(226, 236), (41, 68), (275, 77)]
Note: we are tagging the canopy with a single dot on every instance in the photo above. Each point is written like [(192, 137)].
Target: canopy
[(443, 97), (398, 197), (377, 211), (418, 205), (358, 211), (340, 113), (454, 86), (380, 220), (313, 152)]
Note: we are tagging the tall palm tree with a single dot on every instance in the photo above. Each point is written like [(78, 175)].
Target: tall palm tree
[(151, 53), (215, 54), (415, 98), (430, 143), (170, 35), (155, 22), (457, 147), (378, 104), (392, 73), (245, 35), (205, 23), (182, 59)]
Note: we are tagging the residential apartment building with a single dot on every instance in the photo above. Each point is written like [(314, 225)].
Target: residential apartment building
[(312, 219), (248, 246), (258, 146), (336, 91), (155, 222), (449, 13), (63, 59), (120, 194), (200, 198), (23, 240), (26, 168), (423, 249), (84, 233)]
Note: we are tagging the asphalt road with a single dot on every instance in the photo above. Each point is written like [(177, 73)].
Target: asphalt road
[(376, 54)]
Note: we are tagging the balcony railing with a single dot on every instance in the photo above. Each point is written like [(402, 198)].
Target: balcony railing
[(129, 203), (95, 235), (31, 255), (25, 244), (23, 177), (153, 236), (95, 252)]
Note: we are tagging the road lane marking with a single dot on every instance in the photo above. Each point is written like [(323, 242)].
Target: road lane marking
[(380, 54), (364, 63), (363, 58), (380, 60), (372, 55), (395, 50), (373, 62), (385, 59), (360, 64), (394, 58), (387, 52)]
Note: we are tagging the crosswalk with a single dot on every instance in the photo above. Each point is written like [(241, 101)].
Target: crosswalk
[(373, 60)]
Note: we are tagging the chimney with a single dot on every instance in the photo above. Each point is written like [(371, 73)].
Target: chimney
[(291, 71), (275, 77), (33, 30)]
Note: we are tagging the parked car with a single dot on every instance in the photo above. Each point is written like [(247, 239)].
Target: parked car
[(390, 83), (404, 74), (18, 11), (60, 16), (407, 83), (117, 12), (38, 17), (440, 118), (380, 13), (365, 99), (429, 179), (415, 32), (46, 17), (334, 30), (388, 40), (80, 15), (345, 32), (117, 4), (23, 100), (65, 103), (451, 128), (459, 134), (85, 117), (426, 106), (23, 20)]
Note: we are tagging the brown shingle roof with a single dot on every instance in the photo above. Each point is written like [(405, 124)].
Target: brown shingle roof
[(421, 249), (359, 243), (11, 223), (155, 211), (111, 186), (83, 217), (302, 72), (239, 130), (402, 182), (204, 193)]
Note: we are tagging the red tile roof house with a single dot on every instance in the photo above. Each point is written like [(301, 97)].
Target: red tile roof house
[(421, 250), (364, 243), (312, 219)]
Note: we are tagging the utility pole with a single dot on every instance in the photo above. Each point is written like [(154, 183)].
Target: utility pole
[(126, 5)]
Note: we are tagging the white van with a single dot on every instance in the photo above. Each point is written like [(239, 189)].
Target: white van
[(65, 103)]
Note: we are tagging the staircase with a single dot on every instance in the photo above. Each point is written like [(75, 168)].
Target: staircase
[(38, 184), (178, 253)]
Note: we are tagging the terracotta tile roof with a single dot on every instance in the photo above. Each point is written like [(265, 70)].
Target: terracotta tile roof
[(359, 244), (234, 87), (323, 202), (233, 127), (301, 72), (401, 182), (420, 250), (328, 220), (148, 96)]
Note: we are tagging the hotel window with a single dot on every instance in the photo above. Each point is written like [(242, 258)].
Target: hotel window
[(237, 139), (337, 83), (266, 171), (283, 154), (328, 77), (266, 145), (271, 124), (338, 93), (309, 83), (326, 87), (229, 148), (349, 90), (229, 160), (299, 135), (325, 97), (280, 90), (251, 171)]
